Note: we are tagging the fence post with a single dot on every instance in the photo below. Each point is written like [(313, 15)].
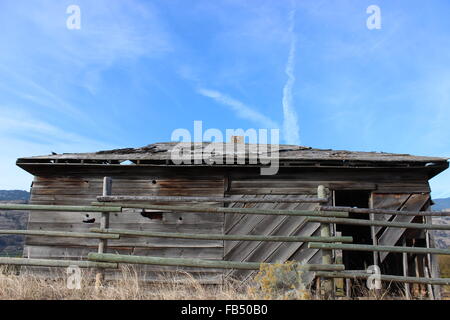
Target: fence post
[(373, 235), (435, 290), (339, 283), (326, 284), (104, 224), (406, 272)]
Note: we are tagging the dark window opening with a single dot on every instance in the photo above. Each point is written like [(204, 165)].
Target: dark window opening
[(88, 219), (355, 260), (152, 215)]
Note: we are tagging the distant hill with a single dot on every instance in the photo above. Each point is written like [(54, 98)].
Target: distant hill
[(441, 204), (13, 245), (12, 195), (442, 238)]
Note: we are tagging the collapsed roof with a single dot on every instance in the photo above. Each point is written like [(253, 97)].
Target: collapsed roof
[(161, 154)]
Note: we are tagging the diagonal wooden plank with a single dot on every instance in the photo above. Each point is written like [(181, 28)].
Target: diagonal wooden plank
[(245, 225), (387, 201), (285, 252), (274, 226), (237, 250), (390, 236), (254, 225)]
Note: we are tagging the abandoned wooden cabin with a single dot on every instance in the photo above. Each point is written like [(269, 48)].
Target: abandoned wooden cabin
[(355, 179)]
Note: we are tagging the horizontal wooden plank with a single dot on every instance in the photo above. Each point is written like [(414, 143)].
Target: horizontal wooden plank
[(117, 184), (78, 252), (61, 200), (213, 190), (161, 199), (383, 277), (158, 227), (129, 242), (33, 207), (74, 252), (388, 212), (130, 186), (116, 258), (227, 210), (133, 233), (361, 247), (301, 183), (360, 222), (54, 263), (404, 187), (59, 234), (272, 191), (129, 216)]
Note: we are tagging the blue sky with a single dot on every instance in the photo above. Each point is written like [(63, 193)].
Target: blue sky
[(137, 70)]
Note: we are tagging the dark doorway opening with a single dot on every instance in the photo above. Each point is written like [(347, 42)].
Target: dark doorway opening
[(355, 260)]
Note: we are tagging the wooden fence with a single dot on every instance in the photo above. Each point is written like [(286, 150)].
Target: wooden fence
[(328, 242)]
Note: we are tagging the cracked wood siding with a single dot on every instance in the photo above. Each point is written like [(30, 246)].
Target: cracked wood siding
[(85, 183), (413, 202), (300, 182), (254, 251), (387, 201), (83, 190)]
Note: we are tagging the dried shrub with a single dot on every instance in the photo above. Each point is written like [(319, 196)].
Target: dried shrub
[(281, 282)]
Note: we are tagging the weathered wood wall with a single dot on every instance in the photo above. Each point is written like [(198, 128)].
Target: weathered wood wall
[(305, 182), (80, 185), (83, 190)]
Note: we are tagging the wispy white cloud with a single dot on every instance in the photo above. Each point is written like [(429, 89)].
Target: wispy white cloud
[(52, 78), (242, 110), (28, 90), (16, 124), (22, 135), (291, 130), (112, 33), (111, 30)]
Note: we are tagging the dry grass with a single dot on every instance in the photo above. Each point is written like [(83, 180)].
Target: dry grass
[(281, 282), (27, 286), (444, 266), (270, 283)]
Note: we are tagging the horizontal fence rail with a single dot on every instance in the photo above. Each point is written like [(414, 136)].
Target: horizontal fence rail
[(61, 234), (385, 211), (37, 207), (210, 199), (302, 213), (360, 222), (135, 233), (56, 263), (353, 275), (362, 247), (326, 242), (127, 259)]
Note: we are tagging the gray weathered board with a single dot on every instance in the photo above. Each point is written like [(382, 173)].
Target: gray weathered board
[(58, 190), (407, 202)]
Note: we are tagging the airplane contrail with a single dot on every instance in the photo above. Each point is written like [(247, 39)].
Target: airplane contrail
[(291, 130)]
